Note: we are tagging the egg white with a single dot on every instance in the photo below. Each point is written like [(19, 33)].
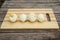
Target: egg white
[(14, 18), (23, 17), (32, 17), (41, 17)]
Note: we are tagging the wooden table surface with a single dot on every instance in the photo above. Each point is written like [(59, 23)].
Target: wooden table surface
[(30, 34)]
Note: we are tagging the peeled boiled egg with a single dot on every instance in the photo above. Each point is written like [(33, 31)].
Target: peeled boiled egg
[(23, 17), (41, 17), (32, 17), (12, 17)]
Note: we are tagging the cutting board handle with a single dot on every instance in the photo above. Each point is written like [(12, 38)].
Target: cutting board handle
[(48, 17)]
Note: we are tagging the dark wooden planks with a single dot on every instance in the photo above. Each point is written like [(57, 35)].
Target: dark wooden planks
[(55, 4), (2, 16), (34, 0), (1, 2), (0, 23), (29, 36), (23, 4), (26, 36)]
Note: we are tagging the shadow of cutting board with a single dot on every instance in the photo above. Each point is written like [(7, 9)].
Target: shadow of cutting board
[(28, 25)]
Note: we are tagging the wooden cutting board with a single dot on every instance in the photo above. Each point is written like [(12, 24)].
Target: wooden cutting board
[(28, 25)]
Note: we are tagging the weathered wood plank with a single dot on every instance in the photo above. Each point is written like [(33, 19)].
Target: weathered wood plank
[(27, 36), (1, 2), (25, 3), (2, 16), (34, 0), (31, 4), (0, 24), (19, 2)]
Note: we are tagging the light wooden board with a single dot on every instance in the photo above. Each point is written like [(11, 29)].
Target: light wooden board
[(28, 25)]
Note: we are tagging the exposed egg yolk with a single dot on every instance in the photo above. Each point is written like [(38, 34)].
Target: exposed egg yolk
[(11, 15)]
